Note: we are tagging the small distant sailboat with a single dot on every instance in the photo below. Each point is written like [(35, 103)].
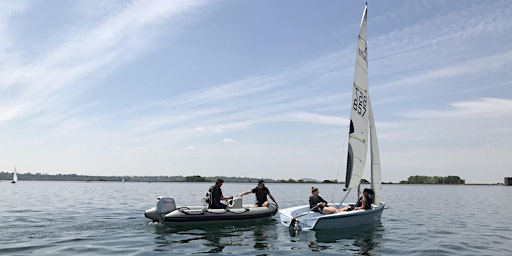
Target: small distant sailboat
[(14, 176)]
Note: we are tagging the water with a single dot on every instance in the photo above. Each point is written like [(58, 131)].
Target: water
[(106, 218)]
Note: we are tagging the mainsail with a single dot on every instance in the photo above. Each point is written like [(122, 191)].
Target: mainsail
[(359, 117), (375, 159)]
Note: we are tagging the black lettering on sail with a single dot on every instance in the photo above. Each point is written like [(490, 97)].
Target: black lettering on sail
[(363, 53), (350, 164)]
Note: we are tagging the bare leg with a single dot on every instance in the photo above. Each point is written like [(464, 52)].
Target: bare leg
[(329, 210), (344, 209)]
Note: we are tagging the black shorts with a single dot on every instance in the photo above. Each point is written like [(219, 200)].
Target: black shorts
[(259, 204), (220, 206)]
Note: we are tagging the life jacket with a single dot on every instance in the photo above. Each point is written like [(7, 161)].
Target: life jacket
[(368, 204), (208, 197)]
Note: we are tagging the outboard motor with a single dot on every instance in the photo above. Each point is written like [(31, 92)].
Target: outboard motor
[(164, 206)]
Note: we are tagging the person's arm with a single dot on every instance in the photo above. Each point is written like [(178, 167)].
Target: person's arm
[(226, 198), (246, 192), (311, 202), (363, 202), (324, 203), (271, 197)]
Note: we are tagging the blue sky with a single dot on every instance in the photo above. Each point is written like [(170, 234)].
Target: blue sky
[(253, 88)]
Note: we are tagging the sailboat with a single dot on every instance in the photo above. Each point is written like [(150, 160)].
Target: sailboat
[(14, 176), (362, 134)]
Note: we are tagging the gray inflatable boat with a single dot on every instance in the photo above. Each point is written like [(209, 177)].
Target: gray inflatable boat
[(166, 212)]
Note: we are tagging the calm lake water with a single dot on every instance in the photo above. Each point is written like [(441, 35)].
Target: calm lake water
[(106, 218)]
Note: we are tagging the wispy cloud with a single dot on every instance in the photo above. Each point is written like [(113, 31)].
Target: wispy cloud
[(439, 85), (84, 52), (229, 140), (485, 108)]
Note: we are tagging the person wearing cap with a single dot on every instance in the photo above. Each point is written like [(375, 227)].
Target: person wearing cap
[(216, 194), (261, 193)]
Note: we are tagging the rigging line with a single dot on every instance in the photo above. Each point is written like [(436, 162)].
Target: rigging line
[(340, 164), (357, 138)]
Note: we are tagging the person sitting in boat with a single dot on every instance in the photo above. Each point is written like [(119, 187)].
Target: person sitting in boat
[(318, 204), (364, 202), (216, 196), (261, 195)]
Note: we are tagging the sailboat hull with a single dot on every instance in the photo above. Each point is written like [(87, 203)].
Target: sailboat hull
[(318, 221)]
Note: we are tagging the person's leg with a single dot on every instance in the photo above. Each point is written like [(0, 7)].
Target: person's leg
[(346, 208), (329, 210)]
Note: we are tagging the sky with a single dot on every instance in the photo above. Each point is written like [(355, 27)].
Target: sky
[(253, 88)]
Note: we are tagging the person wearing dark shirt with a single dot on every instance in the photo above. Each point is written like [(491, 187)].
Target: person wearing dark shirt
[(261, 193), (364, 202), (216, 195), (318, 204)]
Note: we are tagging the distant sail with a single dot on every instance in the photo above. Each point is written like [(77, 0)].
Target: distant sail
[(14, 176)]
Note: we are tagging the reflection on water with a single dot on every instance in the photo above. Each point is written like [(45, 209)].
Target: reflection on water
[(261, 236), (361, 241), (217, 238)]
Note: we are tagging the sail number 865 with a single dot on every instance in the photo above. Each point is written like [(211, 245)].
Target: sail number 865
[(360, 102)]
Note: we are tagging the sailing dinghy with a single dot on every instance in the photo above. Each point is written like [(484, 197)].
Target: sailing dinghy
[(362, 134), (14, 176)]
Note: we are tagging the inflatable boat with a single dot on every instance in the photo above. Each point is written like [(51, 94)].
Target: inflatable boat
[(166, 212)]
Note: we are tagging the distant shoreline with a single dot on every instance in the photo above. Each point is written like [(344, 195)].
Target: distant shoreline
[(277, 182), (7, 176)]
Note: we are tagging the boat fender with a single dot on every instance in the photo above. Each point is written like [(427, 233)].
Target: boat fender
[(164, 206)]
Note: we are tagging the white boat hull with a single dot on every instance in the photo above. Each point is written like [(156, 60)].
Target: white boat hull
[(314, 220)]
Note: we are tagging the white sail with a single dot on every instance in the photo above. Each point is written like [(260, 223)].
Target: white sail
[(359, 117), (375, 159), (15, 176)]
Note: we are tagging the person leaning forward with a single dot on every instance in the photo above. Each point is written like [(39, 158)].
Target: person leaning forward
[(261, 193), (318, 204), (216, 194)]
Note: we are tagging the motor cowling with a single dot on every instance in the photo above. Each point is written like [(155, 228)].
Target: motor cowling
[(164, 206)]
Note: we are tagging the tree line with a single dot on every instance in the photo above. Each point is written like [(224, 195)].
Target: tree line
[(419, 179)]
